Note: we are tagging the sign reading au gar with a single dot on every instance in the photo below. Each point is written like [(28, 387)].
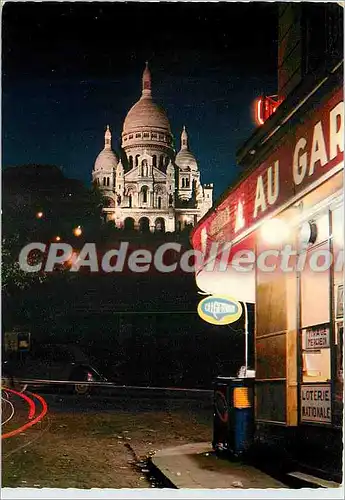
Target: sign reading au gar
[(316, 337), (316, 404)]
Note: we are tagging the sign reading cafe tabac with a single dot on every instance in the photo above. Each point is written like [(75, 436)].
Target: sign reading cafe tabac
[(307, 153), (219, 310)]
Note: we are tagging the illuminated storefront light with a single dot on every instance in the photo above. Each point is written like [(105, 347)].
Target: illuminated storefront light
[(275, 231)]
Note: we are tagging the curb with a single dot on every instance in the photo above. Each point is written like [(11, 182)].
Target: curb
[(159, 476)]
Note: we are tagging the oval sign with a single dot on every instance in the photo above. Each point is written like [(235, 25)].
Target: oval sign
[(219, 310)]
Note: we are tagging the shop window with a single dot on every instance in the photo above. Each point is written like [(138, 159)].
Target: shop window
[(315, 283), (338, 243), (315, 286), (338, 307), (316, 356)]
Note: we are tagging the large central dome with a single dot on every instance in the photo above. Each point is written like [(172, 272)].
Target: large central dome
[(145, 114), (146, 122)]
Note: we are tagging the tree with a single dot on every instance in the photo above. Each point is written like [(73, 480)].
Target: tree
[(41, 204)]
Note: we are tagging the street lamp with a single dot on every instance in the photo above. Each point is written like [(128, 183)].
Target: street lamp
[(77, 231)]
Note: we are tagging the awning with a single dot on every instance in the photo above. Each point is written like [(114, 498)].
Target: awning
[(235, 281)]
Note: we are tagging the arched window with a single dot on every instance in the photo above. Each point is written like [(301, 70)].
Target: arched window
[(144, 193), (129, 223), (161, 161), (144, 225), (108, 181), (130, 201), (137, 160), (104, 181), (183, 182), (160, 225), (159, 202), (144, 168), (170, 199), (187, 182), (154, 160), (131, 161)]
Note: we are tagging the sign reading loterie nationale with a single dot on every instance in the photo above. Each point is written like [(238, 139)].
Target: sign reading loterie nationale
[(316, 404)]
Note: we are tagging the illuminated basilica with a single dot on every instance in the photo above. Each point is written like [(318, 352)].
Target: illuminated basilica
[(151, 187)]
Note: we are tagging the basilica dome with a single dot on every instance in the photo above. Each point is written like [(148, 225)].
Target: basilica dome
[(146, 122), (107, 159), (145, 113), (185, 159)]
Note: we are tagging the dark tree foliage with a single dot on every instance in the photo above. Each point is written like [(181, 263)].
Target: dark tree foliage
[(38, 204), (136, 328)]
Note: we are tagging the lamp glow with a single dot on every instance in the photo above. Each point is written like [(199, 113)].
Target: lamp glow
[(57, 238), (39, 215), (275, 231), (77, 231)]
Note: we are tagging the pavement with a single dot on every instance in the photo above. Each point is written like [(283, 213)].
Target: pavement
[(196, 466)]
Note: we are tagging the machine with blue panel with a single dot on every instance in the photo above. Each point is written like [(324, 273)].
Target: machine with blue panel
[(233, 416)]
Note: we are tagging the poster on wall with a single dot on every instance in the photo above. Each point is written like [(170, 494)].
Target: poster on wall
[(316, 404), (316, 337)]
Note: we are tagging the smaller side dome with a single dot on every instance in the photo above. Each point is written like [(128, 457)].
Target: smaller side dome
[(185, 159), (107, 159)]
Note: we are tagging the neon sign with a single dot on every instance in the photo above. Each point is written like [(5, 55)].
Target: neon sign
[(265, 107)]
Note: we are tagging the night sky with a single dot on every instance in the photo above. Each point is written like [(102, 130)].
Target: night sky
[(68, 69)]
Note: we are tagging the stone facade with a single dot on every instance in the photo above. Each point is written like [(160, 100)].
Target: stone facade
[(152, 187)]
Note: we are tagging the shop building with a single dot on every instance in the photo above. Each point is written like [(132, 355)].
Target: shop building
[(285, 221)]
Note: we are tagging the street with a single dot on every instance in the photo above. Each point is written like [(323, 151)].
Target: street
[(100, 442)]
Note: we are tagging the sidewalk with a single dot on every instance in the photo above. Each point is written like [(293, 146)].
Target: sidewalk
[(196, 466)]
